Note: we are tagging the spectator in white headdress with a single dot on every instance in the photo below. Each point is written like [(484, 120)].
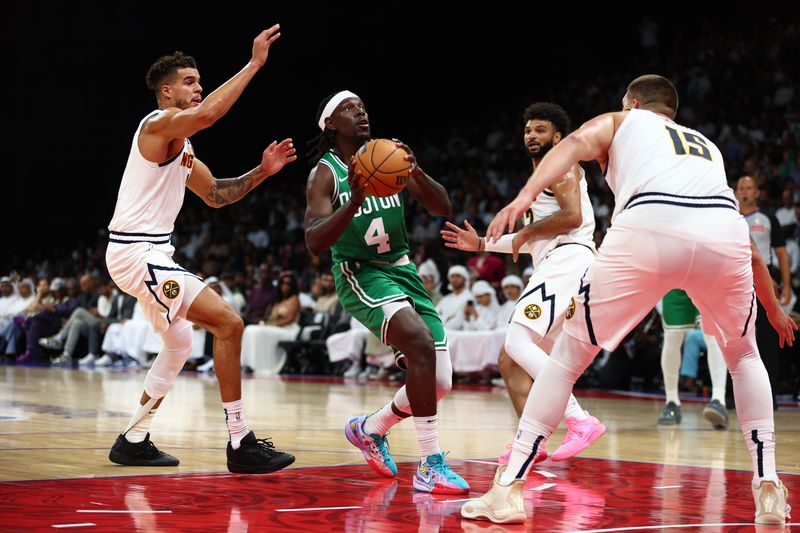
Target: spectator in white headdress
[(512, 289), (451, 306), (482, 313), (432, 280)]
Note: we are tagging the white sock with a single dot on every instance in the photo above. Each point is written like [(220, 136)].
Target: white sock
[(139, 430), (574, 409), (237, 426), (381, 421), (547, 402), (761, 445), (530, 438), (427, 435), (671, 362)]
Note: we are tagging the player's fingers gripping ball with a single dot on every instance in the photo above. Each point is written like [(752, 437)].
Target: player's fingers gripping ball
[(383, 166)]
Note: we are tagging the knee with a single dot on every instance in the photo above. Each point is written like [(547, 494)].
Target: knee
[(231, 326), (422, 350), (505, 363), (178, 340), (573, 355), (158, 384), (444, 374)]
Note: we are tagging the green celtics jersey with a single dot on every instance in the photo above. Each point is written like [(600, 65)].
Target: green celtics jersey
[(377, 231)]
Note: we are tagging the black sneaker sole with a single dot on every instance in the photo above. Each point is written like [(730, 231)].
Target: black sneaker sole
[(121, 459), (279, 464)]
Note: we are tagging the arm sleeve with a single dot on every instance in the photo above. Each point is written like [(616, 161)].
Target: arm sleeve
[(503, 245)]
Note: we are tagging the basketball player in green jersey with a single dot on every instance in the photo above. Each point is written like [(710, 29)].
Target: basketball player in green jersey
[(378, 285)]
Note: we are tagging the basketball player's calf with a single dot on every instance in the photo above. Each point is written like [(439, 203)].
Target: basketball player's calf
[(133, 447), (245, 453), (409, 334)]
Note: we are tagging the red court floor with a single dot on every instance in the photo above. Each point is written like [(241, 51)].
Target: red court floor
[(577, 495)]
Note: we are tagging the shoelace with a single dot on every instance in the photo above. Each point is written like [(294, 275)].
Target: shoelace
[(441, 467), (380, 444), (267, 446), (150, 451)]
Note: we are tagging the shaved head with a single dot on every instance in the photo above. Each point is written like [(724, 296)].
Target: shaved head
[(654, 93)]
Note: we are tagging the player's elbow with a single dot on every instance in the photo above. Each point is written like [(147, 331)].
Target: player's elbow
[(574, 218), (314, 247), (444, 210), (206, 115), (580, 144)]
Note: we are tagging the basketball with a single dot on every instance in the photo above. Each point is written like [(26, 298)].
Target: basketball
[(383, 166)]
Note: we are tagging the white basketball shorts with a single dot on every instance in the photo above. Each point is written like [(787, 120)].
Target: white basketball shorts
[(548, 297), (649, 251)]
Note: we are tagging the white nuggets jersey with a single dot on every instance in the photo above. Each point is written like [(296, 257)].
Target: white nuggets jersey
[(151, 194), (643, 167), (544, 206)]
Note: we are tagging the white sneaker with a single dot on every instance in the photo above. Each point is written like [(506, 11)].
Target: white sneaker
[(499, 382), (51, 343), (105, 360), (62, 360), (380, 374), (208, 366), (368, 370), (503, 504), (86, 360), (353, 371), (771, 504)]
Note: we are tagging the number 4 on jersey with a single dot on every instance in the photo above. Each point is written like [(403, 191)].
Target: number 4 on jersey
[(376, 234)]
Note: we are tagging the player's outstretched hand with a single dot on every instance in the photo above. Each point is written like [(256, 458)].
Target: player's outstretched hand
[(465, 240), (262, 43), (277, 155), (784, 325), (504, 220)]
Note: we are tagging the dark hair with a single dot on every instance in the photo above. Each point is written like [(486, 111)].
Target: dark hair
[(655, 93), (326, 138), (293, 287), (550, 112), (165, 67)]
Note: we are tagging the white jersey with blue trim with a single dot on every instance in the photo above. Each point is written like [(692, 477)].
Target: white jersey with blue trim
[(546, 205), (655, 160), (151, 194)]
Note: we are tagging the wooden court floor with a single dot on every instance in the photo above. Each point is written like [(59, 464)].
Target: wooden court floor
[(57, 425)]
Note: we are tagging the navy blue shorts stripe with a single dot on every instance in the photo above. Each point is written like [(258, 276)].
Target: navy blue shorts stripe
[(750, 314), (138, 240), (680, 204), (585, 291), (683, 197), (124, 234)]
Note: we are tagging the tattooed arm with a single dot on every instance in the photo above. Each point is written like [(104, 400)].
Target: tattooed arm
[(218, 192)]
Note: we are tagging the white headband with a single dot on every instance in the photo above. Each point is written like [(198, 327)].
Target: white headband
[(337, 99)]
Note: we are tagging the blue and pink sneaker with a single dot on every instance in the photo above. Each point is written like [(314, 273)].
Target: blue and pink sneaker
[(434, 475), (375, 448)]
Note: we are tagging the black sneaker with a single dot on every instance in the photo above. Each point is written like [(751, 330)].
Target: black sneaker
[(256, 456), (142, 453), (671, 415), (716, 413)]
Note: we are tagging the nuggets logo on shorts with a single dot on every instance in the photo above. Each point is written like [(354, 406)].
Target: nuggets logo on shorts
[(171, 289), (533, 311), (571, 308)]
